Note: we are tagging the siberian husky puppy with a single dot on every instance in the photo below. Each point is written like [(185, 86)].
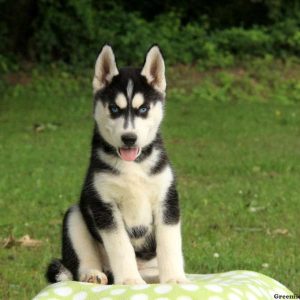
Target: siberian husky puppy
[(126, 227)]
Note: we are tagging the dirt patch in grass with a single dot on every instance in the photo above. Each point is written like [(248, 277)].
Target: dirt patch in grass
[(18, 78)]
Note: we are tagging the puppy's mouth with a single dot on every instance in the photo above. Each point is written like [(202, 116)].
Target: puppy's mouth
[(129, 153)]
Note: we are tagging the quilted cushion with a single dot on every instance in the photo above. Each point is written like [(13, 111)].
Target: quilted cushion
[(235, 285)]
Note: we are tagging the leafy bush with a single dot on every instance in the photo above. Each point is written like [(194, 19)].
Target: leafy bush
[(239, 41), (286, 37), (73, 32), (131, 36)]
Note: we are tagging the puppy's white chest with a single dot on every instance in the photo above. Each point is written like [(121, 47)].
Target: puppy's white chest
[(135, 195), (134, 190)]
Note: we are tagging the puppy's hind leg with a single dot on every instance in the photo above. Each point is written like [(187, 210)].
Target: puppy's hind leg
[(80, 247)]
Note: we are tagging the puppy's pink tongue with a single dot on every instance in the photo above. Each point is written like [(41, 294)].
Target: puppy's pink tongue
[(129, 154)]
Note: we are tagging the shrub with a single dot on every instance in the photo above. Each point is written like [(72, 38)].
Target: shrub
[(73, 32), (239, 41), (285, 36), (77, 38)]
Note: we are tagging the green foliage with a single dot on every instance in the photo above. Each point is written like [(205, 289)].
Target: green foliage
[(286, 36), (131, 36), (63, 30), (73, 32), (239, 41), (4, 64)]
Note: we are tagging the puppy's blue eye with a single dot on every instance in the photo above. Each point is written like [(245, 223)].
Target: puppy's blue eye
[(114, 109), (143, 110)]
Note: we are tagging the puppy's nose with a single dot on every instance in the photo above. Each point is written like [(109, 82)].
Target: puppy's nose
[(129, 139)]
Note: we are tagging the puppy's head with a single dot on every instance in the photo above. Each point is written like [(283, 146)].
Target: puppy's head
[(129, 102)]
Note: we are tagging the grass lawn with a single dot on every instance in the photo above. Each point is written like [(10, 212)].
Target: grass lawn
[(234, 140)]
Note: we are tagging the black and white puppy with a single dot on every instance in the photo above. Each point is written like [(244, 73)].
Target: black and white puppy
[(127, 222)]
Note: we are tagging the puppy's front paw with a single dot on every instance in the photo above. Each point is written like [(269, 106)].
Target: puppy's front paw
[(93, 276), (181, 279), (131, 281)]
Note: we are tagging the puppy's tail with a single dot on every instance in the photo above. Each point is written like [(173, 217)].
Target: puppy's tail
[(58, 272)]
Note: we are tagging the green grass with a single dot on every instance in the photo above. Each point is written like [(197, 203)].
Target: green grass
[(236, 157)]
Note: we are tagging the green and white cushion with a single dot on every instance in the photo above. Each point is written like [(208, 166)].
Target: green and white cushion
[(235, 285)]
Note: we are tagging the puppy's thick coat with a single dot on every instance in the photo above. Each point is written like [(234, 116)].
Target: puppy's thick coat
[(127, 223)]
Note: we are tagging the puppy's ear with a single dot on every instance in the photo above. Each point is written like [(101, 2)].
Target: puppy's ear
[(105, 68), (154, 69)]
